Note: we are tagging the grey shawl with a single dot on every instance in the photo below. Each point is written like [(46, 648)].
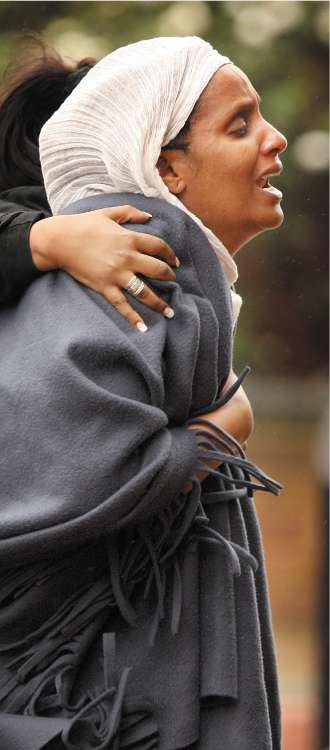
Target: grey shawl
[(133, 612)]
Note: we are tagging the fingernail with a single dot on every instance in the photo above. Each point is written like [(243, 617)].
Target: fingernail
[(147, 214), (177, 262), (168, 312), (141, 327)]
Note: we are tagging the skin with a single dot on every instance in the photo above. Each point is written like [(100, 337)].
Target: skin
[(117, 253), (216, 176), (235, 417), (229, 146)]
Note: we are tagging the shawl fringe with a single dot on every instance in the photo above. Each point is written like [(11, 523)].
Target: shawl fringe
[(39, 679)]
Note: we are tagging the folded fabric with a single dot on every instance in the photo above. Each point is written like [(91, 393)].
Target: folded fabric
[(127, 600)]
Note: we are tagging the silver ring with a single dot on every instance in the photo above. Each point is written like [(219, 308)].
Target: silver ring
[(135, 286)]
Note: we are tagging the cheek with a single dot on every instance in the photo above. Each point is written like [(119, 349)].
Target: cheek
[(236, 167), (222, 175)]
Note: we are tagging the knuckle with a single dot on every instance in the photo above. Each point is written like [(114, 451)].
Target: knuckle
[(130, 243), (130, 255), (164, 271), (111, 267), (123, 255), (162, 247), (117, 300), (168, 250), (126, 210)]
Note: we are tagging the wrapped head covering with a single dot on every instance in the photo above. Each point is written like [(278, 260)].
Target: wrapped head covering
[(107, 136)]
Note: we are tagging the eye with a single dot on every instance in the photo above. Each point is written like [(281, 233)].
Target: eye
[(242, 130)]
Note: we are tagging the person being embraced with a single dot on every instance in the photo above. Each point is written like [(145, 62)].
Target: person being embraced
[(94, 248), (127, 507)]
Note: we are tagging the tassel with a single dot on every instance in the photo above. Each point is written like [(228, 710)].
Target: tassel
[(123, 604)]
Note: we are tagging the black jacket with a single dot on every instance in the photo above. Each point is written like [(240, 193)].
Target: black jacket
[(19, 208)]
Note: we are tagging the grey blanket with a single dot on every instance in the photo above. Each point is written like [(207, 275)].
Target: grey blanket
[(134, 613)]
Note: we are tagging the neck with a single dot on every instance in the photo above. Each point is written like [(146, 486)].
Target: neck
[(234, 241)]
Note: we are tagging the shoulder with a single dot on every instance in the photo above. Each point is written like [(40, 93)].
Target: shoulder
[(180, 231), (167, 221)]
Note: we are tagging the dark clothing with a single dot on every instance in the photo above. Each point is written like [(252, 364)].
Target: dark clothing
[(19, 209), (134, 612)]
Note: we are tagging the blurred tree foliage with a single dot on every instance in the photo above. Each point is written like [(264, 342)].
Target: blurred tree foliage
[(283, 47)]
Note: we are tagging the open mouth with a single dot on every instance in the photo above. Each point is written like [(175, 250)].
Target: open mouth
[(264, 184)]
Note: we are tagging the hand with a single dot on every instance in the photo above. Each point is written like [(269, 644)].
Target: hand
[(94, 249), (235, 417)]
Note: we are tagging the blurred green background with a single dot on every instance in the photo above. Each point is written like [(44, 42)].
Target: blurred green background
[(283, 331)]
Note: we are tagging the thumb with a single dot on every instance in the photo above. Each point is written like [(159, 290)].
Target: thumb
[(123, 214)]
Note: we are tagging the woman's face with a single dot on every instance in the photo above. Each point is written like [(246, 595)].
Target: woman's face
[(221, 177)]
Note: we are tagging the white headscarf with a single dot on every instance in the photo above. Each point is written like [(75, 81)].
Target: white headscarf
[(107, 135)]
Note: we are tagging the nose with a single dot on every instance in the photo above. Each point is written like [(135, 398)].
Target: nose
[(273, 140)]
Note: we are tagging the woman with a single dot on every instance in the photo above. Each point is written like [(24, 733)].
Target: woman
[(118, 481), (91, 247)]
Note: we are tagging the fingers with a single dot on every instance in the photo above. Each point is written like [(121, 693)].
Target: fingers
[(152, 267), (150, 245), (115, 296), (138, 241), (118, 299), (149, 298), (122, 214)]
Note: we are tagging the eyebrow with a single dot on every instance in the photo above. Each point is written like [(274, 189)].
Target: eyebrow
[(245, 105)]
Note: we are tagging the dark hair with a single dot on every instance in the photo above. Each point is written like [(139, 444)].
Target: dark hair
[(177, 142), (33, 90)]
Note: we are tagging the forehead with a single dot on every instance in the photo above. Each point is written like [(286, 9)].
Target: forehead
[(228, 88)]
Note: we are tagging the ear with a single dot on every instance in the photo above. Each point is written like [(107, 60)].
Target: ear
[(168, 166)]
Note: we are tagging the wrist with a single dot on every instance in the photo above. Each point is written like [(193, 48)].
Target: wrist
[(235, 417), (41, 245)]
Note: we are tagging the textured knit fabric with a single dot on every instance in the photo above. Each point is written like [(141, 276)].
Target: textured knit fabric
[(107, 135), (133, 615)]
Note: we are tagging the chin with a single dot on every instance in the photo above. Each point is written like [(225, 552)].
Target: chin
[(273, 221)]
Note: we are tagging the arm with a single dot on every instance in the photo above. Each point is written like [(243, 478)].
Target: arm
[(101, 254), (93, 248), (17, 269), (235, 417)]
